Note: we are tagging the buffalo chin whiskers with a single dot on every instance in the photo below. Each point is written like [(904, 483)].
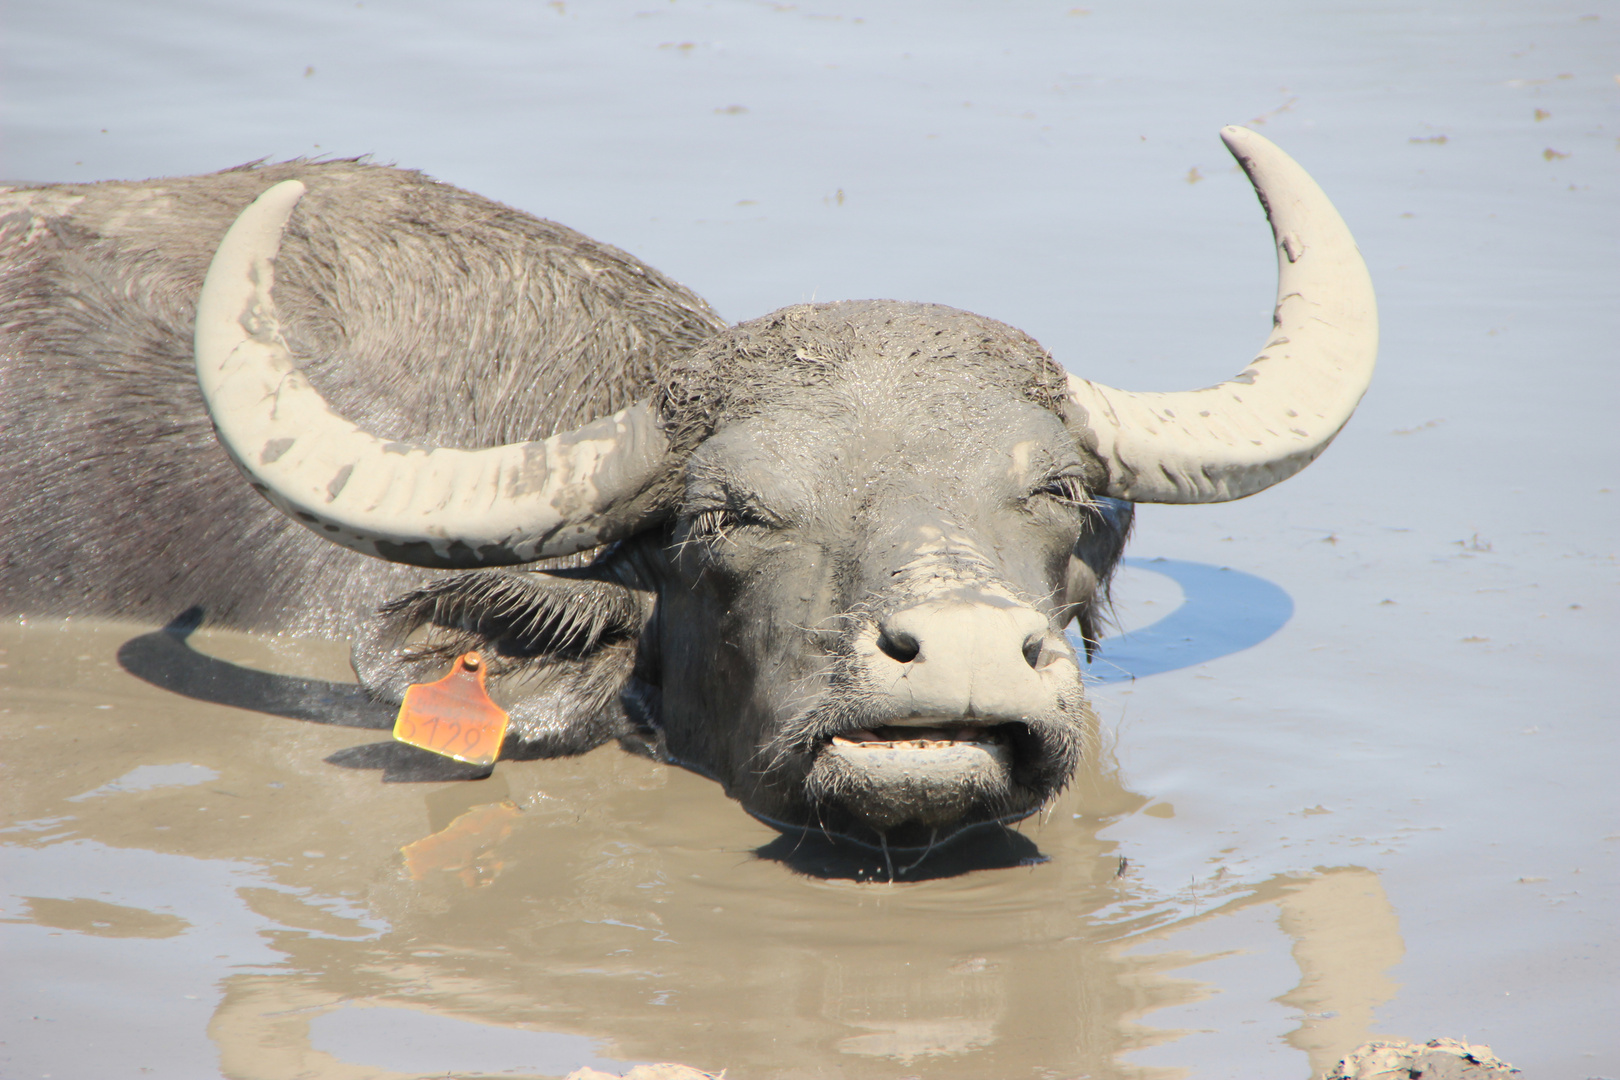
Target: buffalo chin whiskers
[(888, 856), (933, 840)]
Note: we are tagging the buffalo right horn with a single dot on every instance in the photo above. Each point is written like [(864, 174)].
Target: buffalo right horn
[(1281, 411), (406, 503)]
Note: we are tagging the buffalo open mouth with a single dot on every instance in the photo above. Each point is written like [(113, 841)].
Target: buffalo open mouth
[(925, 736), (918, 780)]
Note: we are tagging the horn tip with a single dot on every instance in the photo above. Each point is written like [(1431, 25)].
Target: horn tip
[(283, 196), (1238, 138)]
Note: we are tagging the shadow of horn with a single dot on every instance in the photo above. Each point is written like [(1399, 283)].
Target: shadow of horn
[(166, 659)]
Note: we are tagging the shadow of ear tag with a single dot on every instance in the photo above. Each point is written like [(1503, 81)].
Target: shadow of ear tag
[(454, 716)]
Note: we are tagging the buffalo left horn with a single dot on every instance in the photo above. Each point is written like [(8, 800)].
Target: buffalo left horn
[(1281, 411), (405, 503)]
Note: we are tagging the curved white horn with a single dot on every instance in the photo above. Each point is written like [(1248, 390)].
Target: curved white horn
[(401, 502), (1274, 418)]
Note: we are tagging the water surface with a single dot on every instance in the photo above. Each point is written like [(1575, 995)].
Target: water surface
[(1390, 811)]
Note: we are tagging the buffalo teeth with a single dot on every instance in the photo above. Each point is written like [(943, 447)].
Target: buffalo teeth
[(916, 738)]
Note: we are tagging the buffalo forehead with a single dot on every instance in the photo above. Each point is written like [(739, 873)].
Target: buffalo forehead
[(803, 457), (903, 395)]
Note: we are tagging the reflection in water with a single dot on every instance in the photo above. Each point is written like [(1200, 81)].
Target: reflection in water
[(143, 777), (986, 847), (101, 918), (602, 910), (465, 846), (1346, 938), (414, 1042)]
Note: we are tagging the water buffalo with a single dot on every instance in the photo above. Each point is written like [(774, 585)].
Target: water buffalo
[(825, 556)]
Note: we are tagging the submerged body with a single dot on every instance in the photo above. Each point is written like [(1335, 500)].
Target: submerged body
[(826, 556)]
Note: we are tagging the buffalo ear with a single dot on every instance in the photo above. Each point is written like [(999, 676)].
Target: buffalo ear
[(558, 648), (1092, 564)]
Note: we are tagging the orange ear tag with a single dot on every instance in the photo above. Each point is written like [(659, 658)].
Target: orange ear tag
[(454, 716)]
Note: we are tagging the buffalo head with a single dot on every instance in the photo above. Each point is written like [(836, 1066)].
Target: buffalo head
[(837, 547)]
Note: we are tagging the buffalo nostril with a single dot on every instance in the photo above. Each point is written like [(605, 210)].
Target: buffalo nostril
[(1034, 645), (898, 645)]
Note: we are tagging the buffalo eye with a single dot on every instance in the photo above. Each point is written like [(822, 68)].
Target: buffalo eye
[(1067, 489), (716, 523)]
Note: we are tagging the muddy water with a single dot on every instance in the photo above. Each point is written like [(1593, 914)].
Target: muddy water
[(1369, 787), (196, 886)]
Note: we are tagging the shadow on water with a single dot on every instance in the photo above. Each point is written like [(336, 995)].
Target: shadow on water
[(817, 855), (166, 659), (1224, 611), (402, 764)]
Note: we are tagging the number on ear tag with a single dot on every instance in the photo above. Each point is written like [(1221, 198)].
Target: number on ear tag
[(454, 716)]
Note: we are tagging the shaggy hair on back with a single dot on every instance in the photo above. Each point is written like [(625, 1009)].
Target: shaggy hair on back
[(421, 312)]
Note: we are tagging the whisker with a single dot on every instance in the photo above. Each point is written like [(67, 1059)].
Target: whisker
[(933, 838)]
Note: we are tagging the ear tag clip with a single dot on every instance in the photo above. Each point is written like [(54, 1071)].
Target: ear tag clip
[(454, 716)]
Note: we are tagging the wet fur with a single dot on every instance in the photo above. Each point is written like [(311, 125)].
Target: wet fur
[(424, 313), (577, 655), (558, 647), (433, 315), (792, 354)]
